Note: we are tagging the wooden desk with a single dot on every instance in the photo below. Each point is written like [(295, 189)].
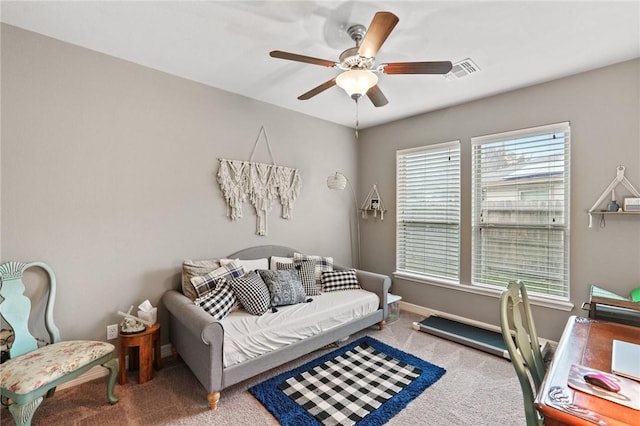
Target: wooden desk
[(140, 348), (584, 342)]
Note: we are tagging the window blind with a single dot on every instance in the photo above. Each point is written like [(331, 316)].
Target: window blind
[(428, 211), (520, 206)]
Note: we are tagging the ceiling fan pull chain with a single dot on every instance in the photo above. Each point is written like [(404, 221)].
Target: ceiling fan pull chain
[(357, 121)]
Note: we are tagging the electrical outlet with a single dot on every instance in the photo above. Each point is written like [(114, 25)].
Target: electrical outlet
[(112, 331)]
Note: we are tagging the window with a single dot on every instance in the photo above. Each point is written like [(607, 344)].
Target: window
[(520, 217), (428, 211)]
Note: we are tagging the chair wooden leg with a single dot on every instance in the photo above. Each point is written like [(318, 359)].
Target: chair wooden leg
[(23, 413), (381, 325), (113, 367), (213, 398)]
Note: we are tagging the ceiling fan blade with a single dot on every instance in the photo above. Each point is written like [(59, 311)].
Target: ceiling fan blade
[(316, 90), (301, 58), (379, 29), (440, 67), (376, 96)]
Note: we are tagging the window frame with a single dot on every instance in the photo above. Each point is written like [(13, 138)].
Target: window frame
[(564, 228), (401, 243)]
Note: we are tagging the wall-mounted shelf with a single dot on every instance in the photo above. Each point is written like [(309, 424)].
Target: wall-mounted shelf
[(373, 204), (604, 213), (619, 179)]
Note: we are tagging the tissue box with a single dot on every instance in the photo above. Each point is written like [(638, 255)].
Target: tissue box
[(150, 315)]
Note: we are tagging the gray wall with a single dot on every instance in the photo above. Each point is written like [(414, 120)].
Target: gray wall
[(603, 108), (108, 175)]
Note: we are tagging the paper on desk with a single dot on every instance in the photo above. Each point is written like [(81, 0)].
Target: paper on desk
[(629, 394)]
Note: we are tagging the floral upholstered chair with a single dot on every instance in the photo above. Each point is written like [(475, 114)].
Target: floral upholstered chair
[(32, 371)]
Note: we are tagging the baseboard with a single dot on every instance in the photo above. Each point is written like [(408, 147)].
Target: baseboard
[(415, 309), (165, 351), (95, 373), (99, 371)]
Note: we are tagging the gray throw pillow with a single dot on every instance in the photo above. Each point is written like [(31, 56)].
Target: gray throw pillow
[(285, 287)]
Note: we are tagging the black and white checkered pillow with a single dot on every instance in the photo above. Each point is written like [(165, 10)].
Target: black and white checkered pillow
[(306, 269), (339, 280), (252, 292), (218, 302), (205, 283), (284, 286), (322, 263)]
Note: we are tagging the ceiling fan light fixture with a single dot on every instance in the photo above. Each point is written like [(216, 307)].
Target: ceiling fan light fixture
[(357, 82)]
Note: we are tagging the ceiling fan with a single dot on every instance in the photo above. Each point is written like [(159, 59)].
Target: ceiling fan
[(358, 63)]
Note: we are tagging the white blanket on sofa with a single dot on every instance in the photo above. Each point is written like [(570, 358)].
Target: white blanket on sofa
[(248, 336)]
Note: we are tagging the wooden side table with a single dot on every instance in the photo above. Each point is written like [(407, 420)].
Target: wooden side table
[(140, 347)]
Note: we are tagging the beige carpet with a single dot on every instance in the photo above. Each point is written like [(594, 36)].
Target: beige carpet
[(478, 389)]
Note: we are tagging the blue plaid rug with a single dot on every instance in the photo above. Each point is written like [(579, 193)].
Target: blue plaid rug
[(363, 383)]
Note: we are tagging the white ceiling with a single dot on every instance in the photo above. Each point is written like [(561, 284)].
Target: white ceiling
[(226, 45)]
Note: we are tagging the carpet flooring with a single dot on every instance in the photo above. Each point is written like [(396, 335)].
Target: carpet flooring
[(478, 389)]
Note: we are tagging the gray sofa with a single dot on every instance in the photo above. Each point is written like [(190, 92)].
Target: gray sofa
[(198, 338)]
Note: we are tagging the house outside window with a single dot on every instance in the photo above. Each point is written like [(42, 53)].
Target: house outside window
[(520, 210), (428, 212)]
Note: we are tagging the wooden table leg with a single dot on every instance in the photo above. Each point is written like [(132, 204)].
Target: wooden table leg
[(158, 351), (145, 370)]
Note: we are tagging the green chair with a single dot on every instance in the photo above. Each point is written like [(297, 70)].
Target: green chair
[(522, 343), (34, 371)]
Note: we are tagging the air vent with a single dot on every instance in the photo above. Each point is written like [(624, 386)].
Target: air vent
[(462, 69)]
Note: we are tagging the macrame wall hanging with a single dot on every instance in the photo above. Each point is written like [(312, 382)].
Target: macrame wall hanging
[(260, 183)]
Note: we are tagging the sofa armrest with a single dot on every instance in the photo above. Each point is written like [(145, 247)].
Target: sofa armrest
[(197, 337), (376, 283), (193, 317)]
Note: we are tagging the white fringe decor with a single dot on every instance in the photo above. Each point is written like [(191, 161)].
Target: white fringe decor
[(261, 184)]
